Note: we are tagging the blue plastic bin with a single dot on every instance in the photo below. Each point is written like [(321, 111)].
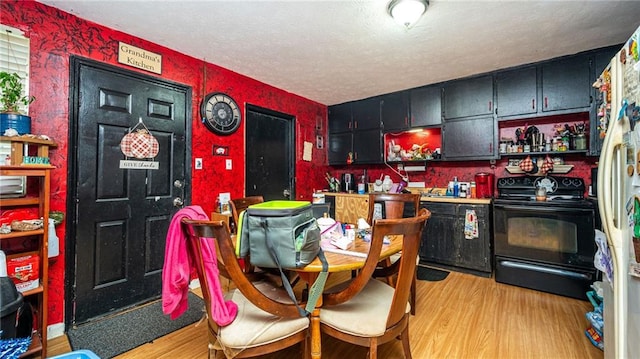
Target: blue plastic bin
[(78, 354)]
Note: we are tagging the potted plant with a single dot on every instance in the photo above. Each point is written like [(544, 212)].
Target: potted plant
[(11, 98)]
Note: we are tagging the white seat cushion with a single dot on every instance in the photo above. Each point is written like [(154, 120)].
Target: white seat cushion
[(363, 315), (253, 326)]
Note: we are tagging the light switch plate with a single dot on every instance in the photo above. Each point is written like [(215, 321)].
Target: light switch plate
[(228, 164), (198, 163)]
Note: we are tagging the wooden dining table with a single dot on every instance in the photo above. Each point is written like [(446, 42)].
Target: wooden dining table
[(339, 261)]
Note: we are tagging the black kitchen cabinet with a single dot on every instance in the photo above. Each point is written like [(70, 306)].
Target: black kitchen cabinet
[(444, 242), (366, 114), (339, 118), (426, 106), (603, 57), (438, 235), (469, 139), (367, 146), (566, 84), (468, 97), (340, 144), (355, 127), (516, 92), (394, 111)]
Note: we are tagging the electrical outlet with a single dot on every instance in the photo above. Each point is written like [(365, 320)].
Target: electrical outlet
[(198, 163), (228, 164)]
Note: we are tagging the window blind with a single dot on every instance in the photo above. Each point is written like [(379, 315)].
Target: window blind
[(14, 56)]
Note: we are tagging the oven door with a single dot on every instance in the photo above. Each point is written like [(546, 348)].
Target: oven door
[(549, 234)]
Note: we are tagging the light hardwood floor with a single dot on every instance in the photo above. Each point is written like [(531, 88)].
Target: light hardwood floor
[(463, 316)]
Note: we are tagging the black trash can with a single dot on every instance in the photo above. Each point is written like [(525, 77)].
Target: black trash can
[(11, 302)]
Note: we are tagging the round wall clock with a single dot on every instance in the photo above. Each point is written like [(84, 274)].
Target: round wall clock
[(220, 113)]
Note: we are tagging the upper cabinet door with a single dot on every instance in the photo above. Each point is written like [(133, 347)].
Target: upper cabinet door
[(426, 106), (366, 114), (340, 144), (516, 92), (340, 118), (469, 139), (394, 110), (367, 146), (603, 58), (566, 84), (468, 97)]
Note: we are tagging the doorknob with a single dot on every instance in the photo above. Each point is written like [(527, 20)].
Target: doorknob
[(178, 201), (286, 193)]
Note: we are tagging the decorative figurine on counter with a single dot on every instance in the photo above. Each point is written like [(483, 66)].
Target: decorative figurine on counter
[(394, 152), (387, 183)]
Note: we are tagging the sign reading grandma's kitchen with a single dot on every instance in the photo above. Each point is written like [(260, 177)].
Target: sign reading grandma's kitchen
[(137, 57)]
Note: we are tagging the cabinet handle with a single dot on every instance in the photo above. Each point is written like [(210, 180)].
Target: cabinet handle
[(546, 102), (355, 126), (533, 104), (350, 123), (490, 107), (490, 148)]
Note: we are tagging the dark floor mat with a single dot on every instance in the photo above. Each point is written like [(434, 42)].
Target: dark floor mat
[(122, 332), (431, 274)]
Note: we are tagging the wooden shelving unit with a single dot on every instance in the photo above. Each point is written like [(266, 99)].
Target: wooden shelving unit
[(39, 198)]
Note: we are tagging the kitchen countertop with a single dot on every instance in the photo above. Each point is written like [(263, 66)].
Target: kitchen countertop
[(424, 198), (447, 199)]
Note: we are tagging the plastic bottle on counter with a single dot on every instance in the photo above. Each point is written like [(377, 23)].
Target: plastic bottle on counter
[(456, 187), (472, 189)]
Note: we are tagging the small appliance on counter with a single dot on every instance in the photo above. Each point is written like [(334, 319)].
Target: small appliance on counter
[(484, 185), (348, 183)]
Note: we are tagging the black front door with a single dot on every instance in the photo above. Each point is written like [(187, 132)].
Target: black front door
[(269, 154), (122, 215)]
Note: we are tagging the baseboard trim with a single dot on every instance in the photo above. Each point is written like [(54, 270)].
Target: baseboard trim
[(55, 330)]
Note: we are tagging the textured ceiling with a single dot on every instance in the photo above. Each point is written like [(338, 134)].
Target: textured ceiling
[(336, 51)]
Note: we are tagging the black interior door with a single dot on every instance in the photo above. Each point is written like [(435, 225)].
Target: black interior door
[(122, 215), (270, 161)]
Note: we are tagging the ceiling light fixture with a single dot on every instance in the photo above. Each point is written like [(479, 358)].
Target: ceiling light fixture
[(407, 12)]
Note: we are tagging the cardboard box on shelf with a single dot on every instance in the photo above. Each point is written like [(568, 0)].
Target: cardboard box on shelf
[(24, 272)]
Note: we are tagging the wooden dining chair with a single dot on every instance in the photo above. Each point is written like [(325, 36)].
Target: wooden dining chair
[(369, 312), (240, 204), (393, 206), (237, 206), (267, 321)]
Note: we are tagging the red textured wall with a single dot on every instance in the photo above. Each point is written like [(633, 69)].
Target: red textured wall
[(56, 35)]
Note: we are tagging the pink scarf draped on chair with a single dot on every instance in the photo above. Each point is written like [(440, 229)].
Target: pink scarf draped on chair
[(176, 272)]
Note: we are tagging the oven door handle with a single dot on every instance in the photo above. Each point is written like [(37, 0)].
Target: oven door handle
[(533, 267), (549, 209)]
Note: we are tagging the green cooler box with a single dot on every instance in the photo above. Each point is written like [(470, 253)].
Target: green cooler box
[(282, 230)]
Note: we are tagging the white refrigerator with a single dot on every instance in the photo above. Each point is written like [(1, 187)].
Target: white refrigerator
[(619, 200)]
